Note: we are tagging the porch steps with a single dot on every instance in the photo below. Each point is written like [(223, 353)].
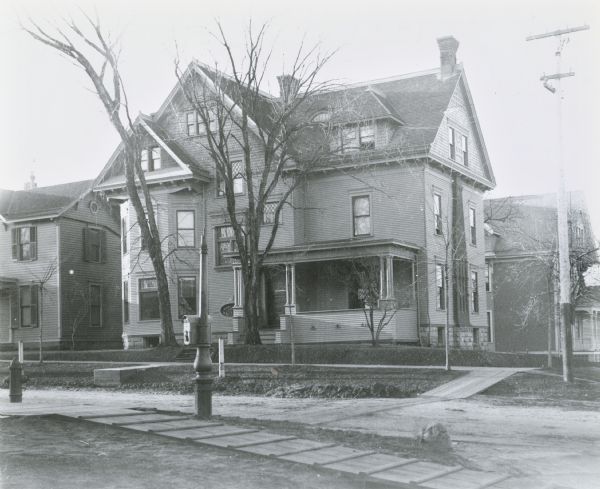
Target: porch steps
[(268, 336)]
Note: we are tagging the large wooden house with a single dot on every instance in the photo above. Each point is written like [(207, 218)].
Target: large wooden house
[(405, 193), (60, 268)]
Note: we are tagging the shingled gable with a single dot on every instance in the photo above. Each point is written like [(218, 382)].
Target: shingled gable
[(186, 166), (42, 202)]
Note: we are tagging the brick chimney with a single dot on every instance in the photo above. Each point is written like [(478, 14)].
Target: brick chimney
[(288, 87), (448, 47)]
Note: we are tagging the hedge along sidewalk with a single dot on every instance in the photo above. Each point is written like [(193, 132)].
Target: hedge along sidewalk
[(317, 354)]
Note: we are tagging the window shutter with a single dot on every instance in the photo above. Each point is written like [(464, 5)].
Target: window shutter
[(15, 243), (33, 242), (34, 305), (86, 240), (103, 246), (13, 297)]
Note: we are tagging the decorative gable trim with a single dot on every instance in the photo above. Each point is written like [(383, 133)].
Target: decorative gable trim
[(471, 107)]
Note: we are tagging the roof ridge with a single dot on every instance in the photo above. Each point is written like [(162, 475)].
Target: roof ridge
[(366, 83)]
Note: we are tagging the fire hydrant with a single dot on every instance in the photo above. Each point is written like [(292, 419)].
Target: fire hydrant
[(16, 387)]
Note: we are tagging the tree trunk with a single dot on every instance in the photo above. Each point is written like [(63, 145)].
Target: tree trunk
[(251, 307)]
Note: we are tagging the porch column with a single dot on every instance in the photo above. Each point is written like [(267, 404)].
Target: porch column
[(382, 280), (290, 289), (389, 277), (238, 293)]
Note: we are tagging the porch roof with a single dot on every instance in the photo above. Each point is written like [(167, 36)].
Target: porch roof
[(7, 282), (341, 249)]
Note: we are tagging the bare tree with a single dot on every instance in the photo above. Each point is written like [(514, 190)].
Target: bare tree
[(97, 54), (268, 132)]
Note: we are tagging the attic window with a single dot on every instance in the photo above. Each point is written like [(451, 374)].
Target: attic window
[(354, 137), (195, 125), (151, 159)]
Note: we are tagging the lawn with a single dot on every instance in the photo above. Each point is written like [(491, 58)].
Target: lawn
[(548, 387), (283, 381)]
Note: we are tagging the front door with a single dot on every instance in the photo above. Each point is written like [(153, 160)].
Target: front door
[(274, 295)]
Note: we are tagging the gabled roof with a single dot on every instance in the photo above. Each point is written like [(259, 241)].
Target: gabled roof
[(41, 202), (186, 164)]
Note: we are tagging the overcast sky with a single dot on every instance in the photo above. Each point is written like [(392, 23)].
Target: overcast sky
[(54, 125)]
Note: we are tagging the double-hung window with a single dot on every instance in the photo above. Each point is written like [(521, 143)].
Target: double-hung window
[(225, 243), (148, 296), (473, 225), (95, 305), (186, 229), (465, 149), (124, 235), (437, 213), (237, 179), (24, 243), (452, 142), (488, 276), (366, 133), (269, 213), (474, 292), (93, 244), (186, 291), (361, 215), (150, 159), (28, 305), (440, 286), (192, 123)]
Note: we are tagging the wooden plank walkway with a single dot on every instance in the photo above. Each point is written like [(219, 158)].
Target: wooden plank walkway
[(405, 472)]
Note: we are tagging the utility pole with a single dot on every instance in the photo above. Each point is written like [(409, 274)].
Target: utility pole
[(561, 202)]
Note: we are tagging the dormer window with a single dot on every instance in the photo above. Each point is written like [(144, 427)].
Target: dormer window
[(354, 137), (366, 134), (151, 159)]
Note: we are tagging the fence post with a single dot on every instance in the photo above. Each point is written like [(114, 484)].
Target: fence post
[(221, 358)]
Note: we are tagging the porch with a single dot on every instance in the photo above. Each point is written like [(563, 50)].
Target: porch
[(322, 296)]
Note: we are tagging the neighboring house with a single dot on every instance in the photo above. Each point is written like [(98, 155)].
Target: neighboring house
[(522, 274), (586, 331), (407, 180), (60, 268)]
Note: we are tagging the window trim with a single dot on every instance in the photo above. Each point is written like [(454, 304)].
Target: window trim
[(240, 175), (437, 216), (17, 245), (87, 246), (271, 223), (472, 225), (464, 143), (148, 159), (218, 240), (353, 197), (452, 142), (146, 291), (32, 306), (101, 305), (177, 228)]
